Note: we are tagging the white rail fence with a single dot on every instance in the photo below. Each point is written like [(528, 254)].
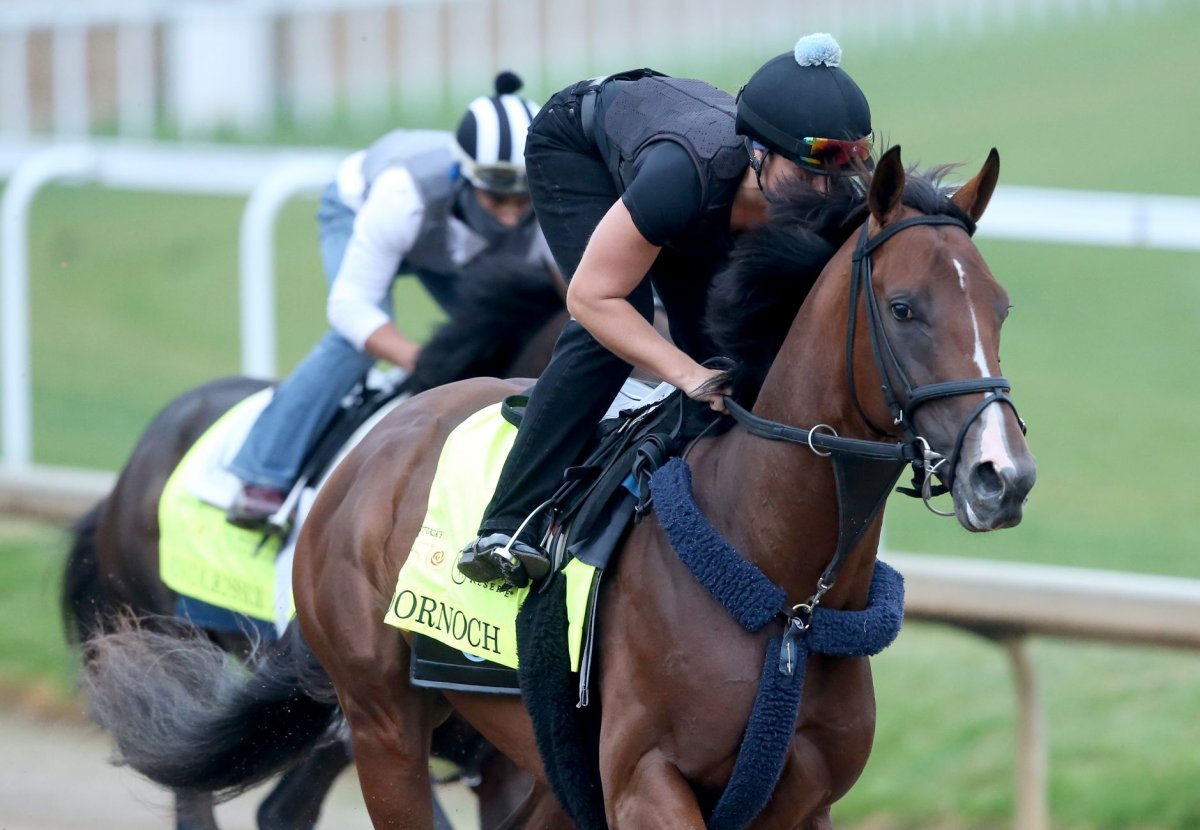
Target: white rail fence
[(271, 176), (1005, 602), (69, 68), (268, 177), (1009, 602)]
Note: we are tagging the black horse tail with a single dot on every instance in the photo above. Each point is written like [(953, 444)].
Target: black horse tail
[(82, 602), (189, 716)]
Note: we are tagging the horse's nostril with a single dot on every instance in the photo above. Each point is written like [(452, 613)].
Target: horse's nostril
[(985, 481)]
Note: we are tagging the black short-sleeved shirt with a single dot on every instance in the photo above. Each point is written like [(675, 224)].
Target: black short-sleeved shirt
[(664, 197), (668, 204)]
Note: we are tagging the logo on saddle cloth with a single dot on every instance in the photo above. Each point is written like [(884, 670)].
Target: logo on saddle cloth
[(432, 597), (201, 555)]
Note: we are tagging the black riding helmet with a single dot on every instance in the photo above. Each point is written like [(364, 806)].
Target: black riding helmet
[(803, 106)]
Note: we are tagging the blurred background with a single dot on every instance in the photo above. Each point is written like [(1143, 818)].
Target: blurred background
[(164, 117)]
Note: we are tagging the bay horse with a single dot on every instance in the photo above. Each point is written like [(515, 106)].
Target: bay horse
[(893, 350), (112, 571)]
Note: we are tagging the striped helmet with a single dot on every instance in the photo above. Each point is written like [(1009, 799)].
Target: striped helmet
[(491, 138)]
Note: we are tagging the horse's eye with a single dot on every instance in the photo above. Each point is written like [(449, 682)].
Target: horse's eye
[(902, 311)]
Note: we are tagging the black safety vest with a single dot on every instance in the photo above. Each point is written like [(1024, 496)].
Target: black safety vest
[(695, 115)]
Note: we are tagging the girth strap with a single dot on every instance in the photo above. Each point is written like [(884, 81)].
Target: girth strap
[(753, 600)]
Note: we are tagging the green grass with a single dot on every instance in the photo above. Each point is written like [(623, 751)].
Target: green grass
[(1122, 727), (1101, 349), (31, 642), (135, 300)]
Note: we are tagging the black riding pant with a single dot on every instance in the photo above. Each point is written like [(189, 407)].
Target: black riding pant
[(572, 189)]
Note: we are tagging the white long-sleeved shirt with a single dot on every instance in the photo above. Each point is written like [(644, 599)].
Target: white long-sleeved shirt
[(385, 229), (386, 225)]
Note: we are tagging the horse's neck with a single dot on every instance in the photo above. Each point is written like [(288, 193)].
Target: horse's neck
[(777, 502)]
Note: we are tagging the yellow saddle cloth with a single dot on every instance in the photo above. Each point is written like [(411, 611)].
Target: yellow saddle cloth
[(202, 556), (432, 597)]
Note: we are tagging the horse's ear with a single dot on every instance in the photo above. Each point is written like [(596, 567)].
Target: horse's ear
[(973, 197), (887, 187)]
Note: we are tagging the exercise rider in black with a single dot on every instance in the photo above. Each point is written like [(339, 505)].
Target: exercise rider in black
[(642, 180)]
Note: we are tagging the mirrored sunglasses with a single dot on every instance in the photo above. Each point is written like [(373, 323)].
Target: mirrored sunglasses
[(836, 152)]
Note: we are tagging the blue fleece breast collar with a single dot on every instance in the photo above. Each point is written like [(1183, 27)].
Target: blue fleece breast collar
[(754, 601)]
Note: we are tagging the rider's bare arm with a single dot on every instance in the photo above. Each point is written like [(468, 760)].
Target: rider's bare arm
[(388, 343), (615, 261)]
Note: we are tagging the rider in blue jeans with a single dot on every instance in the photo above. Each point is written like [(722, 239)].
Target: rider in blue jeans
[(419, 202)]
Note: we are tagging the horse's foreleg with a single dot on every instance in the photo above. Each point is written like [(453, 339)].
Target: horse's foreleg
[(194, 811), (295, 803), (653, 794), (502, 790), (510, 799), (540, 811), (393, 770)]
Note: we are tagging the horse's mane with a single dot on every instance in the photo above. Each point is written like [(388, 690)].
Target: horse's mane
[(504, 303), (755, 297)]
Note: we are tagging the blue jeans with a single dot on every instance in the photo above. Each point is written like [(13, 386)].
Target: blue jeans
[(306, 401)]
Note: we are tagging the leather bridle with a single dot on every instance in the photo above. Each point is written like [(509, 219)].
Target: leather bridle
[(893, 378), (902, 398), (855, 457)]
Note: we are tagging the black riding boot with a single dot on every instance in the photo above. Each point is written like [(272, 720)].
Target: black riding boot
[(499, 556)]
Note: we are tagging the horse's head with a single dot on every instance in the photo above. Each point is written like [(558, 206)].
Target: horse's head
[(929, 314)]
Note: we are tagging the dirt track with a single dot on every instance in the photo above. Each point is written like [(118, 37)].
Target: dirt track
[(56, 776)]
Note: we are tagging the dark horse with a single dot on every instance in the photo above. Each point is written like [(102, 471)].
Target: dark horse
[(506, 327), (677, 676)]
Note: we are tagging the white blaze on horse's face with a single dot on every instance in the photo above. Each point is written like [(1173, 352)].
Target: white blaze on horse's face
[(993, 444), (944, 327), (992, 467)]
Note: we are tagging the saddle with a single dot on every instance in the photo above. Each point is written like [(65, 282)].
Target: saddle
[(227, 578), (592, 509), (612, 484)]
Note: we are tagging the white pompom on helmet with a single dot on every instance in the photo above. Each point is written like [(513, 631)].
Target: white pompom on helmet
[(803, 106), (491, 138)]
